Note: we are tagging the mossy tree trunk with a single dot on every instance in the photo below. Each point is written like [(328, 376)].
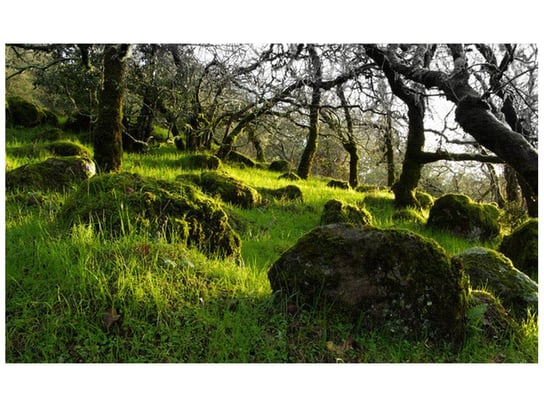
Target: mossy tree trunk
[(404, 187), (257, 143), (389, 151), (306, 160), (349, 142), (108, 149)]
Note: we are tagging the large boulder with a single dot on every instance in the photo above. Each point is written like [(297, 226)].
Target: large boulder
[(461, 216), (237, 157), (68, 148), (54, 174), (521, 246), (337, 211), (390, 279), (494, 272), (122, 203)]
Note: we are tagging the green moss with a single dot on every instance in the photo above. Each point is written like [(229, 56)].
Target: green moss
[(425, 200), (494, 272), (68, 148), (230, 189), (459, 215), (201, 161), (56, 173), (522, 248), (121, 203), (337, 211)]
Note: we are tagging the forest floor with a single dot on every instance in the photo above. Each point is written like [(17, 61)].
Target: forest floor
[(78, 296)]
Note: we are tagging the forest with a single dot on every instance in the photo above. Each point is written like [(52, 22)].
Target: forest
[(271, 203)]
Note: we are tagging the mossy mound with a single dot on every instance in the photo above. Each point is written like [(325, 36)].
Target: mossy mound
[(425, 200), (201, 162), (289, 176), (281, 166), (237, 157), (337, 211), (338, 184), (382, 278), (230, 189), (287, 193), (522, 248), (20, 112), (56, 173), (492, 271), (409, 215), (68, 148), (486, 314), (121, 203), (461, 216), (364, 188)]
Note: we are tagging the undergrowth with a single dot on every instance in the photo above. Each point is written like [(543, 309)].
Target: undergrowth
[(78, 296)]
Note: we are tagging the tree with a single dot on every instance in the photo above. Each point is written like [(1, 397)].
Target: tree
[(108, 148), (473, 113)]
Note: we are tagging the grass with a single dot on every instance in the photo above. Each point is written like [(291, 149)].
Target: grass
[(77, 296)]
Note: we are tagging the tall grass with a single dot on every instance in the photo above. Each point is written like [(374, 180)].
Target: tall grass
[(75, 295)]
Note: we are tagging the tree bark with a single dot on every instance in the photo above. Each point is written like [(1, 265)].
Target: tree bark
[(305, 165), (349, 142), (389, 151), (108, 149)]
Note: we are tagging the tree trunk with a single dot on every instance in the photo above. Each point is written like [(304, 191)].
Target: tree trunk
[(389, 152), (256, 140), (411, 167), (306, 160), (108, 149), (349, 143)]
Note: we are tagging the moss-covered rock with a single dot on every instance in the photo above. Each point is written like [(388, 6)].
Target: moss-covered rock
[(289, 176), (337, 211), (201, 162), (409, 215), (381, 278), (364, 188), (281, 166), (287, 193), (492, 271), (68, 148), (121, 203), (20, 112), (461, 216), (56, 173), (522, 248), (424, 199), (487, 315), (344, 185), (237, 157), (230, 189)]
